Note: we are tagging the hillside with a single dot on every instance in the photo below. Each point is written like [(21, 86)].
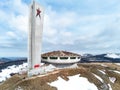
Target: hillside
[(105, 76)]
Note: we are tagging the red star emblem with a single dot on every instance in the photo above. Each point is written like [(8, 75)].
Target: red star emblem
[(38, 12)]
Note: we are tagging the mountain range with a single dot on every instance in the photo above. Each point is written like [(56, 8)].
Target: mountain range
[(110, 57)]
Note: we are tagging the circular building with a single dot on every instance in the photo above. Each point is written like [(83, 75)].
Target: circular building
[(60, 57)]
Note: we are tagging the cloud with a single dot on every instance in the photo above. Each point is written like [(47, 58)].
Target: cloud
[(19, 23), (83, 26), (56, 25), (91, 33), (14, 24)]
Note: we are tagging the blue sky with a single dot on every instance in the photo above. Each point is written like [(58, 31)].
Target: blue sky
[(82, 26)]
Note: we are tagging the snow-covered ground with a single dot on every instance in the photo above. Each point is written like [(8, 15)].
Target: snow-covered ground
[(5, 73), (117, 63), (112, 55), (74, 83), (21, 69)]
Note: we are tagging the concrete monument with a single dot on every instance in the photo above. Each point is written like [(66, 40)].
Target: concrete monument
[(35, 38)]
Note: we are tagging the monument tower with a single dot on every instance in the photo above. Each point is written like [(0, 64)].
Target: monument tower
[(35, 38)]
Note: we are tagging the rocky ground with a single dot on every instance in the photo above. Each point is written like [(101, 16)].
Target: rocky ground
[(103, 75)]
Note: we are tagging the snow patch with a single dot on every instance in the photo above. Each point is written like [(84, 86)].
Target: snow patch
[(117, 64), (49, 68), (74, 83), (117, 72), (112, 55), (112, 79), (102, 72), (110, 88), (98, 77)]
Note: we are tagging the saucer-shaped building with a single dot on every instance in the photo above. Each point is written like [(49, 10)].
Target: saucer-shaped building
[(60, 57)]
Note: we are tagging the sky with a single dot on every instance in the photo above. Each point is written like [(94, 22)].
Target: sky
[(81, 26)]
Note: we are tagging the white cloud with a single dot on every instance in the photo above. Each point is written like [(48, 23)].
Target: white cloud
[(16, 15), (86, 33), (14, 19), (19, 22), (63, 29), (11, 34), (56, 26)]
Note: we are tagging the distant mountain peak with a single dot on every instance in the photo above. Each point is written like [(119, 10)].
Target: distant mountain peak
[(113, 55)]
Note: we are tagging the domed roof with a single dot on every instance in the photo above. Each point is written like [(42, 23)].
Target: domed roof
[(59, 54)]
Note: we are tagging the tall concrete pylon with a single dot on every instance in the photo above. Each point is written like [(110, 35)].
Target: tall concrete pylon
[(35, 38)]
